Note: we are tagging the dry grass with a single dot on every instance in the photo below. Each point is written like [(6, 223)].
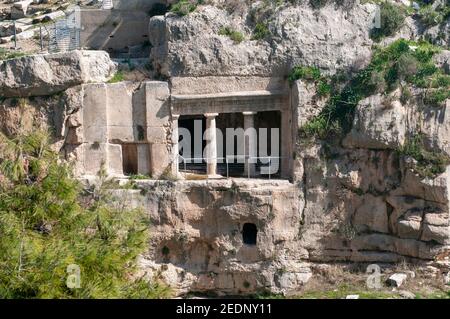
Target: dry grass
[(336, 281)]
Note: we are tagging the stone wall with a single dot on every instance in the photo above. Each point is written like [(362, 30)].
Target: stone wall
[(197, 235), (362, 200), (119, 29), (112, 115), (114, 30)]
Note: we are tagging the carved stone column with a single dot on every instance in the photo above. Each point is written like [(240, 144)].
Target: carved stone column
[(175, 150), (211, 145), (250, 143)]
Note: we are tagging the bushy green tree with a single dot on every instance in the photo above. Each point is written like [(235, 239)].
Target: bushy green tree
[(47, 224)]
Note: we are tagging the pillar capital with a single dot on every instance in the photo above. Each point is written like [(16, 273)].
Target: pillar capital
[(208, 115), (249, 113), (175, 117)]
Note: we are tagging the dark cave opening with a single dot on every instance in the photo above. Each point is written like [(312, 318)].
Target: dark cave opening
[(249, 234)]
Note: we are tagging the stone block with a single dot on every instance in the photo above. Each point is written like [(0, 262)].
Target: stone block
[(95, 115), (159, 159), (115, 166), (396, 280), (98, 154), (120, 109), (74, 135), (95, 155), (440, 234), (157, 103), (19, 9), (372, 214), (156, 135), (143, 154), (47, 74), (409, 229), (120, 112)]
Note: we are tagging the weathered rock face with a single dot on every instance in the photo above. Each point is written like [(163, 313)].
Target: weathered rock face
[(362, 200), (198, 235), (118, 126), (384, 122), (358, 200), (330, 38), (378, 124), (43, 75)]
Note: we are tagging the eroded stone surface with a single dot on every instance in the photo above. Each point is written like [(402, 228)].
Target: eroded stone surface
[(40, 75), (328, 38)]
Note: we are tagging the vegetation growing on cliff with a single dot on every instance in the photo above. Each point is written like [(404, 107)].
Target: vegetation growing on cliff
[(261, 31), (431, 16), (118, 77), (403, 61), (428, 163), (7, 54), (234, 35), (392, 18), (311, 74), (50, 229), (184, 7)]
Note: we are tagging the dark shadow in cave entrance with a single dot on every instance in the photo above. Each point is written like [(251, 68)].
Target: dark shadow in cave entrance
[(249, 234)]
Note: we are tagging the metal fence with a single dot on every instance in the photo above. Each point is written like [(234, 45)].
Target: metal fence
[(229, 166), (60, 35)]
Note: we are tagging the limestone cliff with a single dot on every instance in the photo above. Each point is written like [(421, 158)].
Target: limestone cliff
[(363, 195), (332, 38)]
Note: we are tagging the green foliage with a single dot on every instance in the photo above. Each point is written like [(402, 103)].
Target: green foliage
[(234, 35), (184, 7), (407, 65), (392, 18), (47, 223), (429, 164), (437, 97), (304, 73), (319, 126), (139, 177), (323, 88), (118, 77), (317, 4), (311, 74), (406, 95), (430, 16), (439, 80), (8, 54), (261, 31), (268, 295), (401, 61)]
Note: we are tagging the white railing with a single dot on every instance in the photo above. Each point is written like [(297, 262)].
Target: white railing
[(107, 5)]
